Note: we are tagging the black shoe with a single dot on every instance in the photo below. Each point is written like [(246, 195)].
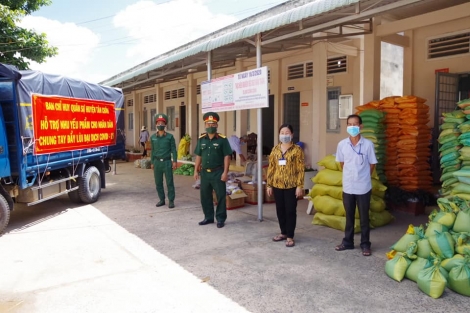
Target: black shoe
[(160, 203), (171, 205), (205, 222), (220, 224)]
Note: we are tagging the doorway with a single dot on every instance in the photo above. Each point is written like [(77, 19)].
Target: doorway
[(268, 127), (450, 88), (292, 112), (182, 121)]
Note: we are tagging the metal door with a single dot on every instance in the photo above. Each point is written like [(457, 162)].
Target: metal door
[(292, 112), (268, 127), (447, 95)]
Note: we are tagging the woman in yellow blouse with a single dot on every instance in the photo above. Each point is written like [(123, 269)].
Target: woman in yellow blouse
[(286, 181)]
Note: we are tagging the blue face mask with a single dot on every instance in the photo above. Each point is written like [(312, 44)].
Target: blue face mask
[(353, 131)]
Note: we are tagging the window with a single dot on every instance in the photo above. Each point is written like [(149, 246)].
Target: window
[(170, 112), (299, 71), (130, 102), (337, 65), (198, 89), (130, 121), (174, 94), (181, 93), (455, 44), (150, 98), (332, 112), (152, 116), (167, 95)]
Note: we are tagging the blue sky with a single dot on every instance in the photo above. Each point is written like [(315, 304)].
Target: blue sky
[(98, 39)]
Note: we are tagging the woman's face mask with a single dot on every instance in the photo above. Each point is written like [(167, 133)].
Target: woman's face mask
[(353, 131), (285, 138)]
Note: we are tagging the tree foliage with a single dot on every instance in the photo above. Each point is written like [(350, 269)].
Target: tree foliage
[(19, 46)]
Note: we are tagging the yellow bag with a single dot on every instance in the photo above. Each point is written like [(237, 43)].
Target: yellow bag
[(396, 267), (336, 222), (329, 177), (330, 163)]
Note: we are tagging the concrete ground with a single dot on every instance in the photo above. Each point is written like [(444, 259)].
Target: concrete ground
[(122, 254)]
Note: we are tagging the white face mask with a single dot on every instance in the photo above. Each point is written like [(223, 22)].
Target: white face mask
[(285, 138)]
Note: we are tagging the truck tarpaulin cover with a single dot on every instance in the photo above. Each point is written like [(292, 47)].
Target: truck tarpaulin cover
[(86, 121)]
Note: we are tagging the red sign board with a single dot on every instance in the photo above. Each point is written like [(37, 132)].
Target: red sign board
[(441, 70), (64, 124)]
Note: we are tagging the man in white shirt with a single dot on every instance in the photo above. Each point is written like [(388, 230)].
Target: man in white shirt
[(356, 155), (235, 144)]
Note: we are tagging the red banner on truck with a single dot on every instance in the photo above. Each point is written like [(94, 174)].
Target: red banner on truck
[(64, 124)]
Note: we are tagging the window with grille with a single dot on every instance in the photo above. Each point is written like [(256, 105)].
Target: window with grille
[(130, 102), (167, 95), (152, 116), (174, 94), (150, 98), (170, 112), (130, 121), (297, 71), (332, 112), (337, 65), (449, 46), (269, 76), (198, 89), (309, 69), (181, 93)]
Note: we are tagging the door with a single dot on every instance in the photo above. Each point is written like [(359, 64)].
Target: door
[(182, 121), (268, 127), (292, 112), (447, 95)]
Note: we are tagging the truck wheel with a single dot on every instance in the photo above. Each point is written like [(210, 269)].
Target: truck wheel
[(4, 213), (90, 185), (74, 196)]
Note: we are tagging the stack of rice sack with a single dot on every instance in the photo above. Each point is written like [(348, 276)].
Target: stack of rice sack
[(450, 144), (374, 130), (392, 131), (327, 198), (413, 146), (437, 256), (455, 152)]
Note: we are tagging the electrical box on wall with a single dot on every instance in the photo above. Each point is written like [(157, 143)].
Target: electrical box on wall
[(345, 106)]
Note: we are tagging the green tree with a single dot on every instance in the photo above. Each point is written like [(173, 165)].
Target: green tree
[(19, 46)]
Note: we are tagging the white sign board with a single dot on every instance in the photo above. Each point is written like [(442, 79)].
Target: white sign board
[(241, 91)]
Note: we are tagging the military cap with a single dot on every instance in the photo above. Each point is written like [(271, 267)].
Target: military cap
[(211, 117), (161, 117)]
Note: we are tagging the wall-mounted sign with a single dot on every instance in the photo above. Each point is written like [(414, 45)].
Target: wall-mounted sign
[(290, 88), (304, 104), (245, 90), (330, 81), (441, 70)]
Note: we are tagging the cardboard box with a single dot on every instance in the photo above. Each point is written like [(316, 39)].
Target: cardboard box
[(251, 191), (234, 201)]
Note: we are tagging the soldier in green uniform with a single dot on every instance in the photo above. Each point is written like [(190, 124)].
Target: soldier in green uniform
[(163, 147), (212, 160)]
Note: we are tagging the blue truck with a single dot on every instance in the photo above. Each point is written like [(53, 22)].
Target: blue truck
[(42, 158)]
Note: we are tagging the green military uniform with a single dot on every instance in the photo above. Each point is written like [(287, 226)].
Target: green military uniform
[(163, 147), (212, 153)]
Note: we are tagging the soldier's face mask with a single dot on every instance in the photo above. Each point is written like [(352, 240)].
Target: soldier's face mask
[(211, 128), (160, 126)]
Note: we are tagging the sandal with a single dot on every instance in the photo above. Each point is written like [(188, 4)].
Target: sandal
[(342, 247), (366, 252), (290, 243), (280, 237)]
